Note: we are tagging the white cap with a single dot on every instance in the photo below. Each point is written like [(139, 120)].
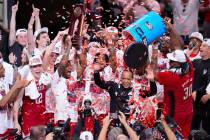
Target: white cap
[(37, 32), (207, 41), (59, 58), (35, 60), (112, 29), (197, 35), (91, 44), (178, 56), (20, 31), (57, 48), (86, 135)]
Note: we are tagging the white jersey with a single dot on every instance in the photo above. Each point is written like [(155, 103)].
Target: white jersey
[(63, 108), (6, 115), (9, 73)]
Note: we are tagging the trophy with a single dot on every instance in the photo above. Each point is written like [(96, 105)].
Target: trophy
[(76, 24), (141, 34)]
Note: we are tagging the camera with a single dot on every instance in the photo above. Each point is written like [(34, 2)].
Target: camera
[(171, 123), (114, 115), (138, 128), (60, 131), (87, 112)]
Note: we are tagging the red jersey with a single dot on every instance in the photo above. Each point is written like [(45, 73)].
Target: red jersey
[(33, 110), (177, 97), (177, 91)]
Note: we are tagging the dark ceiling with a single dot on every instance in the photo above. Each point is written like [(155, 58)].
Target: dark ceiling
[(54, 14)]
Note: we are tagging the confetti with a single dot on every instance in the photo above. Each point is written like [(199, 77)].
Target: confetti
[(107, 10), (68, 12), (63, 28), (44, 9)]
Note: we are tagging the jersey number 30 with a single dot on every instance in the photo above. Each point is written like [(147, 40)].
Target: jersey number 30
[(187, 92)]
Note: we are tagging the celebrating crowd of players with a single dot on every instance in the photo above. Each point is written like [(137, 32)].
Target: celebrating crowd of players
[(48, 81)]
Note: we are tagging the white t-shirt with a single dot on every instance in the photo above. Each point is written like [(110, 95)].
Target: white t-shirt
[(6, 115), (185, 16), (198, 56), (9, 73), (63, 108)]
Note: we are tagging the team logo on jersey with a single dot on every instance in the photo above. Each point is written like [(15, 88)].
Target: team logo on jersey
[(148, 25)]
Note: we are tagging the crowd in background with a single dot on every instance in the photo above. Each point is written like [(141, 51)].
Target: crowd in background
[(84, 77)]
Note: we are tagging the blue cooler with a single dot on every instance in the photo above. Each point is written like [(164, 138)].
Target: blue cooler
[(146, 29)]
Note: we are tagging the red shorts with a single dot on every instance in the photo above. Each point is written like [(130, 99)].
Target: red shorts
[(184, 121)]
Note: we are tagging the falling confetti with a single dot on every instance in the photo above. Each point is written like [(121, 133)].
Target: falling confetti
[(63, 28), (44, 9), (107, 10), (68, 12)]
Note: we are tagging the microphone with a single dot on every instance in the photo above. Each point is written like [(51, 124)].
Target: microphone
[(170, 120), (175, 126), (66, 125)]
